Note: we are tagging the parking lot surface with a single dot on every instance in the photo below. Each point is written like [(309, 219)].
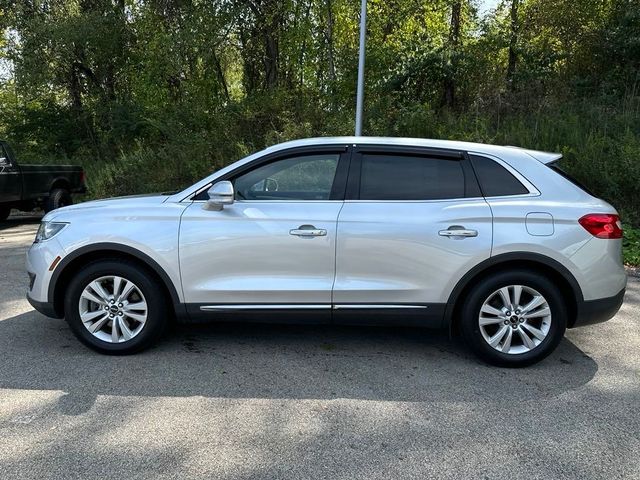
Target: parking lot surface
[(269, 402)]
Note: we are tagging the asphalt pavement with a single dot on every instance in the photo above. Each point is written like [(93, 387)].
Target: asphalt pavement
[(304, 402)]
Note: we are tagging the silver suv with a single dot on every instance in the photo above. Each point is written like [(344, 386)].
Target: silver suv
[(495, 243)]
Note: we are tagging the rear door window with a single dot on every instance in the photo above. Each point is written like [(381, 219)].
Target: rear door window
[(410, 177)]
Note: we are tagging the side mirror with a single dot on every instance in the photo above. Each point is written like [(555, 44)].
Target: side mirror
[(220, 194)]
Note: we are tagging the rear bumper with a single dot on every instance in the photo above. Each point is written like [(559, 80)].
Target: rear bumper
[(45, 308), (596, 311)]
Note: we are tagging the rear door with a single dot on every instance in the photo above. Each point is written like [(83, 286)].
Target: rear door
[(413, 223)]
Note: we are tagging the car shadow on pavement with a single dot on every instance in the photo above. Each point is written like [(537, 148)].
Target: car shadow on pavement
[(277, 361), (17, 221)]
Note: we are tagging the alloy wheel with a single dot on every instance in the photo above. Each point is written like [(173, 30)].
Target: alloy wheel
[(113, 309), (515, 319)]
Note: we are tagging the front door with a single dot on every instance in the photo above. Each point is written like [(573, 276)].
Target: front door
[(274, 247)]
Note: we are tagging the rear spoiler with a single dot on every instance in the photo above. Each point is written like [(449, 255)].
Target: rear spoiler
[(542, 157)]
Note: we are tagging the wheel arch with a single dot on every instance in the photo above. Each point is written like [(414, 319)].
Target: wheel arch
[(60, 182), (73, 262), (546, 266)]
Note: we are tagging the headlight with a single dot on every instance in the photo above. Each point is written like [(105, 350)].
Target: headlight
[(49, 230)]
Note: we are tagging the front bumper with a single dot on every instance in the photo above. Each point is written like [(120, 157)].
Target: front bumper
[(45, 308), (40, 268), (600, 310)]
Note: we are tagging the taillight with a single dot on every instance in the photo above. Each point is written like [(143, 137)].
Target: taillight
[(83, 177), (602, 225)]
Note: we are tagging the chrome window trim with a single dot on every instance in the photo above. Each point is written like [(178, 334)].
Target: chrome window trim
[(258, 157), (262, 202), (189, 199), (440, 200), (533, 191), (343, 141), (443, 200)]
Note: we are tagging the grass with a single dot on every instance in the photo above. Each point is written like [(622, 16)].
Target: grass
[(631, 246)]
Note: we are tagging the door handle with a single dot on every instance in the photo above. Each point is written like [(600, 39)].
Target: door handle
[(308, 231), (458, 231)]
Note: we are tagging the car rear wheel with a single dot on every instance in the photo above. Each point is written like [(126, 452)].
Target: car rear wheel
[(116, 307), (513, 319), (59, 197)]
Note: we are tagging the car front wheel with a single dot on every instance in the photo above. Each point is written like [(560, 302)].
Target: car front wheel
[(115, 307), (513, 319)]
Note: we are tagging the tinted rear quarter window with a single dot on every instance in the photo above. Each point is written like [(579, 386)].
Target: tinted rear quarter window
[(560, 171), (408, 177), (495, 180)]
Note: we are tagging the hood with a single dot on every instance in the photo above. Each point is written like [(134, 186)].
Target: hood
[(130, 201)]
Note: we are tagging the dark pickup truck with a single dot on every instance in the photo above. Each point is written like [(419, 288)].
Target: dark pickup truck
[(28, 186)]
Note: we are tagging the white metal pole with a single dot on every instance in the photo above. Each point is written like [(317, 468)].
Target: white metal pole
[(360, 92)]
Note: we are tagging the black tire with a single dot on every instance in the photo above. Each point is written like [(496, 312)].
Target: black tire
[(470, 312), (4, 213), (157, 308), (59, 197)]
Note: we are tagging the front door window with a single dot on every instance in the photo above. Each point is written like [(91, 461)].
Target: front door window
[(309, 177)]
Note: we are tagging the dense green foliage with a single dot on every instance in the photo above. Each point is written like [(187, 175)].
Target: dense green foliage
[(631, 245), (153, 94)]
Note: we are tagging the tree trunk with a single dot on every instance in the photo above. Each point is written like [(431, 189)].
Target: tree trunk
[(271, 61), (330, 49), (75, 90), (270, 28), (220, 75), (513, 41), (454, 41), (250, 75), (267, 22), (303, 49)]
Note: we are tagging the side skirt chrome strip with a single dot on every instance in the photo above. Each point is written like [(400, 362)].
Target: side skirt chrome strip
[(294, 306), (341, 306), (267, 306)]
